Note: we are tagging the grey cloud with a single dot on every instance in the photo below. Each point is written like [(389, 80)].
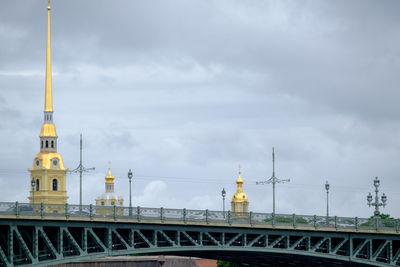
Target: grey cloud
[(189, 89)]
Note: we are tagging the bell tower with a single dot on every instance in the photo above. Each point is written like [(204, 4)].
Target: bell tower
[(48, 174)]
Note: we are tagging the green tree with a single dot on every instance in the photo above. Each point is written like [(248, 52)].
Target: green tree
[(227, 264)]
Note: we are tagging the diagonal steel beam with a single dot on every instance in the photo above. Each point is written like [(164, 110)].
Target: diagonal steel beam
[(233, 239), (23, 244), (319, 243), (48, 243), (167, 238), (379, 250), (255, 240), (145, 239), (4, 257), (279, 239), (97, 239), (121, 239), (72, 239), (216, 242), (298, 242), (336, 249), (395, 257), (358, 249), (191, 239)]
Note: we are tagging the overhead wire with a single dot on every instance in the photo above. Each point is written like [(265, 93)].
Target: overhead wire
[(222, 181)]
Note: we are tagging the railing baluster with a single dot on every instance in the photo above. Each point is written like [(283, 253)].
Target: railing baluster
[(356, 222), (294, 220), (138, 213), (91, 211), (273, 219), (315, 221), (41, 209), (66, 210), (16, 209)]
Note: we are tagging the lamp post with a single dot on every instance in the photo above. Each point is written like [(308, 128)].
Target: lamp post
[(81, 169), (223, 194), (130, 175), (273, 180), (33, 183), (376, 203), (327, 201)]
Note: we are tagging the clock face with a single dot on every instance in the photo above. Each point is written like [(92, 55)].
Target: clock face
[(55, 162), (37, 162)]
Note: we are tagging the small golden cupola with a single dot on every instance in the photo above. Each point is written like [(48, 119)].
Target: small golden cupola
[(109, 198), (240, 202)]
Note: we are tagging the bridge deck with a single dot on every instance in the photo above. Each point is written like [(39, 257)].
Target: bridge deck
[(46, 235)]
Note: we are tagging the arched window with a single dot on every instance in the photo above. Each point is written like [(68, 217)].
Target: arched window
[(42, 144), (47, 143), (55, 184), (37, 185), (102, 203), (244, 207), (52, 144)]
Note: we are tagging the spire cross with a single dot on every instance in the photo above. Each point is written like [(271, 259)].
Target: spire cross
[(273, 180), (109, 165), (240, 172)]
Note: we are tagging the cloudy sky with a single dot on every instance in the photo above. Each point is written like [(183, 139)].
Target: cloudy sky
[(183, 91)]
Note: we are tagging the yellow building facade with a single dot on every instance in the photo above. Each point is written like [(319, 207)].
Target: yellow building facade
[(240, 201), (48, 173)]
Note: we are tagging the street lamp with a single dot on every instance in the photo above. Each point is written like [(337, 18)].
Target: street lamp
[(273, 180), (376, 203), (33, 183), (327, 198), (130, 175), (223, 193)]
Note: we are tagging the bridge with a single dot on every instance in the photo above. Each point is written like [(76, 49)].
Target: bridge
[(48, 234)]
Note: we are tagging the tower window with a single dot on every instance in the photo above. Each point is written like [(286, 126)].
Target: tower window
[(52, 144), (55, 183), (47, 143), (41, 144), (37, 185), (102, 203)]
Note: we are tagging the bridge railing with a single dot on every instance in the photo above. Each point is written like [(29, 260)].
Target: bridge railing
[(197, 216)]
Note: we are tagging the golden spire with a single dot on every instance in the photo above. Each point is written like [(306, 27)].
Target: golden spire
[(48, 98), (109, 177), (239, 180), (239, 195)]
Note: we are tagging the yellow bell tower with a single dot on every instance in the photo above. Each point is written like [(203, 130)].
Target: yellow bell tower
[(240, 202), (48, 174)]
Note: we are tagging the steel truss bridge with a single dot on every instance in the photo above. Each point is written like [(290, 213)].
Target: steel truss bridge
[(47, 235)]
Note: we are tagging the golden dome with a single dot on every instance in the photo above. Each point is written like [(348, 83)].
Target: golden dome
[(48, 129), (109, 177), (239, 196)]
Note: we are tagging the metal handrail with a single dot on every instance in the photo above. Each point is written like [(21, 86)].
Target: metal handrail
[(210, 217)]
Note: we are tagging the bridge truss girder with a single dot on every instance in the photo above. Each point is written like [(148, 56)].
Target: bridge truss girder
[(50, 242)]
